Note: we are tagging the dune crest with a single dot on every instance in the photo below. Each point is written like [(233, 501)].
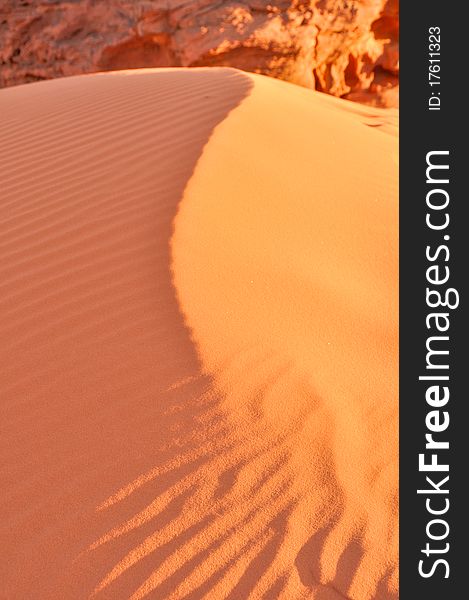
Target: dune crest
[(199, 340)]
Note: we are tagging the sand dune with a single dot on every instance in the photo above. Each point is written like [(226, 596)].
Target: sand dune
[(198, 340)]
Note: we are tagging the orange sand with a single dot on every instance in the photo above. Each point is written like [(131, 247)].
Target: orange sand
[(198, 340)]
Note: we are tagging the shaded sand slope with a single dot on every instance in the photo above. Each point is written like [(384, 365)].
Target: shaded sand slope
[(198, 340)]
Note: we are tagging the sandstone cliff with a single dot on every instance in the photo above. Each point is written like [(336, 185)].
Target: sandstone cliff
[(343, 47)]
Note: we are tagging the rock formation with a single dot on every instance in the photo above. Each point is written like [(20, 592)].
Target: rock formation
[(343, 47)]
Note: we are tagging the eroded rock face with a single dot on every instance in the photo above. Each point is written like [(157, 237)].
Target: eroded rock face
[(343, 47)]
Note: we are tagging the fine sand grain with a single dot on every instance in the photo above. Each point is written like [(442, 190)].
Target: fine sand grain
[(198, 340)]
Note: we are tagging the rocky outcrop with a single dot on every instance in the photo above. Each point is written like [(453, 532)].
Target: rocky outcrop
[(343, 47)]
